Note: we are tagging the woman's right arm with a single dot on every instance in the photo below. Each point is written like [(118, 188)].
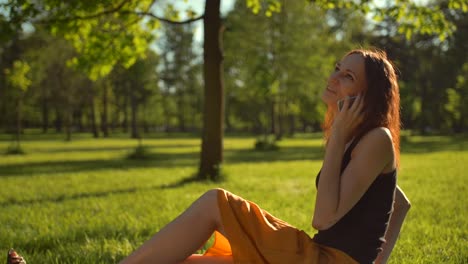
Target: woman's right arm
[(400, 209)]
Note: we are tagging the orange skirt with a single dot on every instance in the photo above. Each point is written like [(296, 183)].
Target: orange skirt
[(255, 236)]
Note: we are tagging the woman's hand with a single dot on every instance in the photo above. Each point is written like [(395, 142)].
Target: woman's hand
[(346, 120)]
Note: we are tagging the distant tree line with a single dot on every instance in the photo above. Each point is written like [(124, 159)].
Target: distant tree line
[(274, 72)]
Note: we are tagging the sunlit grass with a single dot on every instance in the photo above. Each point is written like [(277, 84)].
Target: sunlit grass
[(85, 202)]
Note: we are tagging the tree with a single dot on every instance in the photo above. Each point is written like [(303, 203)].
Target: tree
[(141, 82), (429, 70), (213, 107), (57, 86), (81, 21), (178, 70), (18, 80), (277, 68)]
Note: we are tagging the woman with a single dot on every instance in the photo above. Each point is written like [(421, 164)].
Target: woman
[(355, 188)]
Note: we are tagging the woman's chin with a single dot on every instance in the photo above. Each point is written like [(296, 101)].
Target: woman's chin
[(328, 100)]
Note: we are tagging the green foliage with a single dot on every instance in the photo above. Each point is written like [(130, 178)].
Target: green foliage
[(276, 69), (423, 20), (181, 88), (270, 6), (266, 143), (453, 103), (102, 44), (17, 76), (140, 152), (340, 4), (102, 32), (134, 89), (455, 107), (15, 149), (172, 13), (413, 18), (458, 4)]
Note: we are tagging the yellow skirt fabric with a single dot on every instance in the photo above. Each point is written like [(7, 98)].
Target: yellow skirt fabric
[(255, 236)]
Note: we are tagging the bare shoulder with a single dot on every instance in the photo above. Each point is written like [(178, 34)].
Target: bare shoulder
[(378, 137), (377, 142)]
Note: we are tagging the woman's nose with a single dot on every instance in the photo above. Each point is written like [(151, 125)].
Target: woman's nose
[(334, 77)]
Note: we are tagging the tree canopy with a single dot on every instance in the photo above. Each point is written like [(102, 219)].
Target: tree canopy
[(95, 63)]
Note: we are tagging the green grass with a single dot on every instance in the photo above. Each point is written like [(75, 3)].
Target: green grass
[(85, 202)]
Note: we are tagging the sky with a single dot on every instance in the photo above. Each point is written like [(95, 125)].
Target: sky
[(182, 5), (198, 6)]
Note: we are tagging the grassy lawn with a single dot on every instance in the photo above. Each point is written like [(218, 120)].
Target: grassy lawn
[(84, 202)]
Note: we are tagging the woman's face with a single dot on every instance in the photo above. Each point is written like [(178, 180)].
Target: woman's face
[(348, 79)]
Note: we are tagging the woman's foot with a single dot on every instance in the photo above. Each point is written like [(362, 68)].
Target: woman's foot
[(14, 258)]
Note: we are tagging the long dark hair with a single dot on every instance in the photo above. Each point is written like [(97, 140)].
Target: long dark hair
[(381, 98)]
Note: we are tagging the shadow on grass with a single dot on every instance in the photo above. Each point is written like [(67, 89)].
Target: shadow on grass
[(434, 144), (180, 183), (170, 160), (283, 154), (191, 158), (64, 198), (159, 160), (54, 136), (82, 149), (122, 148)]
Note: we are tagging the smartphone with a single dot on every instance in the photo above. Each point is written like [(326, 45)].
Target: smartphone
[(341, 102)]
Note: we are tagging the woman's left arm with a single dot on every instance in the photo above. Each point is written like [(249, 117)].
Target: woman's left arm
[(337, 194), (400, 209)]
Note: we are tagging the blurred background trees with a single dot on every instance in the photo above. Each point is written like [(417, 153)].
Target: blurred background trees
[(103, 67)]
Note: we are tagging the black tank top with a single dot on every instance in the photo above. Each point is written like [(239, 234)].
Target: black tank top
[(360, 232)]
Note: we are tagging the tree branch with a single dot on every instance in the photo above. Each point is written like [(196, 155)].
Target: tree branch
[(118, 9), (93, 16), (168, 20), (150, 5)]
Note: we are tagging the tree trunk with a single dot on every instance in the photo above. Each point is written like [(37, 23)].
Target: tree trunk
[(58, 120), (68, 122), (94, 127), (280, 119), (227, 116), (462, 121), (213, 109), (424, 119), (45, 114), (273, 127), (134, 106), (3, 108), (125, 111), (104, 115), (146, 125), (19, 104), (78, 119), (292, 125), (181, 111)]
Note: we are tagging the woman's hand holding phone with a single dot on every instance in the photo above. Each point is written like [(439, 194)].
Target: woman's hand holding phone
[(348, 117), (351, 100)]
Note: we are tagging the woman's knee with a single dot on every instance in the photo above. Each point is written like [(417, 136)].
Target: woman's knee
[(210, 207), (212, 195)]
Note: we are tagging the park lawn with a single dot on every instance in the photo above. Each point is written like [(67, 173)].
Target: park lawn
[(84, 202)]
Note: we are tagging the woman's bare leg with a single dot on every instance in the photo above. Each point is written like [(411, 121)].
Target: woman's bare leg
[(184, 235), (199, 259)]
